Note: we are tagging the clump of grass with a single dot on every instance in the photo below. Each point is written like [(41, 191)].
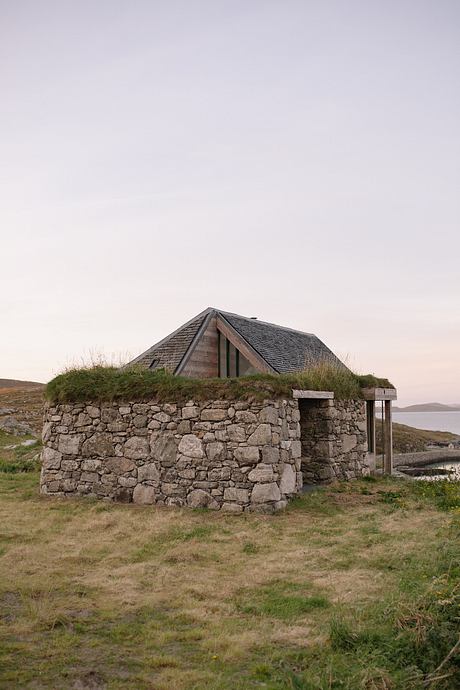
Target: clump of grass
[(281, 600), (161, 542), (19, 465), (444, 493), (107, 383)]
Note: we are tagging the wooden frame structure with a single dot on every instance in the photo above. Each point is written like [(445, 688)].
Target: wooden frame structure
[(385, 396)]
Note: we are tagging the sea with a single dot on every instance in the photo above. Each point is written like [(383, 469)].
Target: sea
[(433, 421)]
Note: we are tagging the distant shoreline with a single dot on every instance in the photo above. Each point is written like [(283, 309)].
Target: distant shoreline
[(427, 407)]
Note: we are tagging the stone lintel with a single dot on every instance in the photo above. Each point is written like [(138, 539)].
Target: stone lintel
[(317, 395)]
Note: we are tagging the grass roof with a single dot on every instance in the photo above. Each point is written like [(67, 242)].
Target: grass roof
[(106, 383)]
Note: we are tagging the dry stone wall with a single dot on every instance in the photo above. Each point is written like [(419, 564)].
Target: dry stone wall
[(229, 455), (334, 440)]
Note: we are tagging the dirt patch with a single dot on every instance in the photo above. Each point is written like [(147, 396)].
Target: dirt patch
[(90, 681)]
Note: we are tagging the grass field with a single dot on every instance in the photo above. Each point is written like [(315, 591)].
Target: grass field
[(352, 587)]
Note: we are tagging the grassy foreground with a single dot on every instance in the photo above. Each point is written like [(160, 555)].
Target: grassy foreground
[(356, 586)]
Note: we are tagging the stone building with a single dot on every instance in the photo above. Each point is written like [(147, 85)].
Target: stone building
[(234, 455)]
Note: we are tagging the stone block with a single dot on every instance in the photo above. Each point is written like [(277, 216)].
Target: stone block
[(245, 417), (69, 485), (198, 498), (69, 444), (231, 508), (127, 481), (140, 421), (162, 417), (213, 415), (232, 493), (220, 474), (264, 493), (148, 472), (51, 459), (184, 427), (120, 465), (136, 448), (235, 433), (144, 494), (247, 455), (83, 419), (296, 449), (192, 446), (348, 442), (89, 477), (269, 415), (69, 465), (109, 414), (270, 455), (288, 480), (262, 473), (190, 412), (100, 444), (262, 436), (216, 451)]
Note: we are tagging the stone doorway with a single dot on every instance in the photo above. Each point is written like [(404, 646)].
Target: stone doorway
[(333, 435), (315, 437)]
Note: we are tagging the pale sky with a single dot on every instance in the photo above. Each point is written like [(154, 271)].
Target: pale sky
[(292, 160)]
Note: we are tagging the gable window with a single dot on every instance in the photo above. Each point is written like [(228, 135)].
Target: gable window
[(231, 362)]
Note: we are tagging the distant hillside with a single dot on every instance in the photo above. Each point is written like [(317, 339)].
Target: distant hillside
[(13, 383), (427, 407), (406, 439), (23, 402)]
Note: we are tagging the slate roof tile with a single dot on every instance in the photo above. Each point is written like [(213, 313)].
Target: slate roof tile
[(284, 349)]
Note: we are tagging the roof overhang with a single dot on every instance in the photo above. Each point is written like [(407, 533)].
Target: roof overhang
[(380, 393)]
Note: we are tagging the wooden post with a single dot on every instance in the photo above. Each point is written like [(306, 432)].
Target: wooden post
[(388, 459), (371, 426)]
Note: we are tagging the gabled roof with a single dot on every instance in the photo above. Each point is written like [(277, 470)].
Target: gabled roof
[(283, 349), (169, 352)]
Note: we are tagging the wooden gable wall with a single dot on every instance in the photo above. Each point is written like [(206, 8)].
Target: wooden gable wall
[(202, 361)]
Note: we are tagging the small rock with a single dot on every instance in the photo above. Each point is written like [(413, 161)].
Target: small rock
[(202, 499)]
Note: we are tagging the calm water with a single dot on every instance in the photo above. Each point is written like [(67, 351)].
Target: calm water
[(433, 421), (447, 465)]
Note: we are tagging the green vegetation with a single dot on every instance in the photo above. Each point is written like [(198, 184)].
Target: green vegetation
[(353, 587), (280, 599), (134, 383), (18, 458)]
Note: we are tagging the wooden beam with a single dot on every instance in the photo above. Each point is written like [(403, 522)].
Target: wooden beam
[(317, 395), (388, 432), (380, 393), (370, 409), (243, 346)]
